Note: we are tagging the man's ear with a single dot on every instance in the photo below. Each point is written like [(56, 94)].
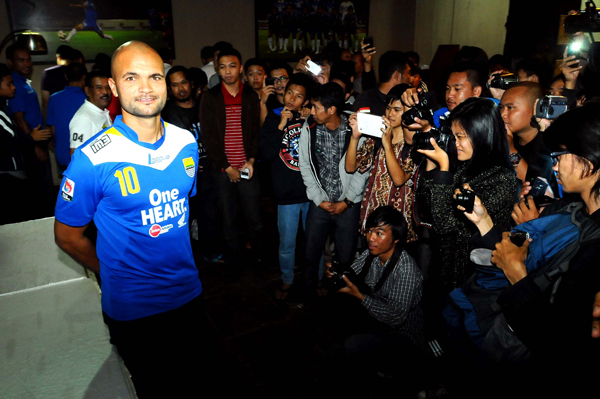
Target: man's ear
[(397, 76), (113, 87), (477, 91), (534, 78), (332, 110)]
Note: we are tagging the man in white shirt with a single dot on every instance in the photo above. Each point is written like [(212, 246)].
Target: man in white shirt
[(207, 55), (92, 116)]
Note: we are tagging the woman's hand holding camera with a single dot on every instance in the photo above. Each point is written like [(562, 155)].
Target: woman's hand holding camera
[(437, 155), (480, 216), (525, 210)]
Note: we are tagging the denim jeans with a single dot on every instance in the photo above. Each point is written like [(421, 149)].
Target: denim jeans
[(287, 223), (318, 225)]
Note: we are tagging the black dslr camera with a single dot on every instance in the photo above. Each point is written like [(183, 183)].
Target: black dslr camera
[(466, 199), (420, 110), (421, 139), (336, 282), (503, 80), (551, 107)]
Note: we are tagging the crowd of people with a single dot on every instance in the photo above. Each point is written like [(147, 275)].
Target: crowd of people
[(415, 221)]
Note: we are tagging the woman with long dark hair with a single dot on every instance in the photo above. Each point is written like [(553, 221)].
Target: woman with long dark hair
[(482, 165)]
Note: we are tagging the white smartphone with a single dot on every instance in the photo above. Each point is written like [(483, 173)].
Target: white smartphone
[(313, 67), (245, 174), (370, 124)]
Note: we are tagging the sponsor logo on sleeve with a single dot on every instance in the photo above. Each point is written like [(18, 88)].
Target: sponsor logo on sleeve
[(100, 143), (67, 190), (190, 166)]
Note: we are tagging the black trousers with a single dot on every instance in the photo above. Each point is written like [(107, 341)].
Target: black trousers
[(163, 351)]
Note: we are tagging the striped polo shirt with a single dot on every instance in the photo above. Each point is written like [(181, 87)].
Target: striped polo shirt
[(234, 141)]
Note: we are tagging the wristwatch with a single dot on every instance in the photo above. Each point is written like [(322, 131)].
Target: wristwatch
[(515, 158), (349, 203)]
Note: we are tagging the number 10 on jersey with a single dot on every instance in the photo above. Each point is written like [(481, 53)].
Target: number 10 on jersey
[(128, 181)]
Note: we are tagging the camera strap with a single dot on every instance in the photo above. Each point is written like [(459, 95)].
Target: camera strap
[(391, 264)]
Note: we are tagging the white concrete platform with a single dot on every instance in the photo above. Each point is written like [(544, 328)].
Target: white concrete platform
[(53, 342)]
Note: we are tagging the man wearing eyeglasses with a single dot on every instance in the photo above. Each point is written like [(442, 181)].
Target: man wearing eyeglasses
[(272, 95)]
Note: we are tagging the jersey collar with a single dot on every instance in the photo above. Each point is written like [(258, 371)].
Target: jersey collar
[(132, 135)]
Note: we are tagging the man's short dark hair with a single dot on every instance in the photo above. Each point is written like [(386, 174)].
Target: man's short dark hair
[(578, 131), (281, 65), (198, 76), (395, 93), (388, 216), (330, 95), (538, 67), (533, 90), (474, 71), (344, 79), (413, 57), (229, 52), (389, 63), (76, 55), (75, 72), (175, 69), (302, 79), (220, 46), (207, 52), (4, 71), (10, 50), (94, 74), (255, 61), (64, 52)]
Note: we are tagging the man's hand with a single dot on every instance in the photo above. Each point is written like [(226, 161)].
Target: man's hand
[(351, 289), (250, 166), (437, 155), (525, 210), (510, 258), (286, 115), (326, 206), (266, 92), (337, 208), (409, 99), (596, 317), (367, 55), (543, 123), (496, 93), (570, 69), (302, 65), (234, 174), (39, 134), (353, 122)]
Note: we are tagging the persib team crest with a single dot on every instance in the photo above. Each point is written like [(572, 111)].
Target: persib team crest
[(190, 166)]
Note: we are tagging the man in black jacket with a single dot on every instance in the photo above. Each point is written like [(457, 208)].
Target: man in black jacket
[(279, 144), (183, 110), (229, 119)]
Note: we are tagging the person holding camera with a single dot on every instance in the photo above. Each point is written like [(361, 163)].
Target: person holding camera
[(546, 304), (482, 162), (386, 323), (392, 169), (279, 142), (333, 192)]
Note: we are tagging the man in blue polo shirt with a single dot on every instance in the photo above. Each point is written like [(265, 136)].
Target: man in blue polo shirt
[(134, 180), (25, 109), (61, 108)]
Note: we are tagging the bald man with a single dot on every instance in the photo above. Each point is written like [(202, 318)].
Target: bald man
[(134, 180), (526, 142)]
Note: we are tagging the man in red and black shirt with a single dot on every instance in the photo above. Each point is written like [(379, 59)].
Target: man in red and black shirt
[(229, 122)]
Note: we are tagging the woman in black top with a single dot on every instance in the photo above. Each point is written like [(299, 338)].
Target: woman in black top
[(482, 164)]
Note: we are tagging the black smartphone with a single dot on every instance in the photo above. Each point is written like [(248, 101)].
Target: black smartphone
[(269, 81), (368, 40)]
